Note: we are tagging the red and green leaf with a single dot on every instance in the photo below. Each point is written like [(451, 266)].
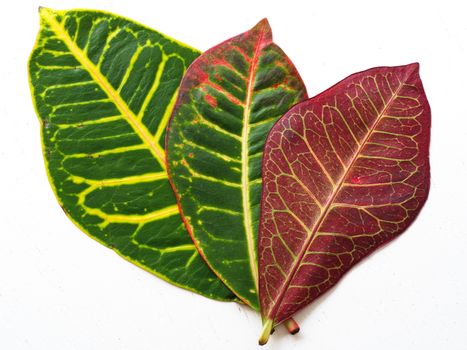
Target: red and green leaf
[(229, 99), (343, 173)]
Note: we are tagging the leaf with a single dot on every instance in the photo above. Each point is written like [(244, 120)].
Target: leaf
[(229, 99), (344, 173), (104, 88)]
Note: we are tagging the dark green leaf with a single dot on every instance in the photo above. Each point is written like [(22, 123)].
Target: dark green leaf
[(104, 88)]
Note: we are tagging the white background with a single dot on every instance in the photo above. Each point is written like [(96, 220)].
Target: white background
[(61, 290)]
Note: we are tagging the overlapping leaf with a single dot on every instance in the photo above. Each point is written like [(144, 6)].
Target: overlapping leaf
[(343, 173), (104, 88), (229, 99)]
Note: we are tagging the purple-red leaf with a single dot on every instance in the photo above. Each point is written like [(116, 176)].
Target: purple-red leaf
[(343, 173)]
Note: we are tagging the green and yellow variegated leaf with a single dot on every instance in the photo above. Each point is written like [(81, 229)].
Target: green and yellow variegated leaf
[(229, 99), (104, 88)]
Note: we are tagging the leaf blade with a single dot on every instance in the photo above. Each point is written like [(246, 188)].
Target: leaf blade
[(103, 88), (342, 203), (228, 94)]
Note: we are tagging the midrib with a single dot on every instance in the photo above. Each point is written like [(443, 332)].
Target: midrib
[(309, 241), (245, 168), (129, 116)]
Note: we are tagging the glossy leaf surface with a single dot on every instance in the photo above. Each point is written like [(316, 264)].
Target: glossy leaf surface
[(104, 88), (343, 173), (229, 99)]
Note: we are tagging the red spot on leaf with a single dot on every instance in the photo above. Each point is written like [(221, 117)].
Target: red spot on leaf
[(356, 180), (211, 100)]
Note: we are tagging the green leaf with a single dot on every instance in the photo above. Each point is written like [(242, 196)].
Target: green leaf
[(104, 88), (229, 99)]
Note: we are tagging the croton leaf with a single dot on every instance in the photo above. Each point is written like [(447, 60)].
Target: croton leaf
[(343, 173), (104, 88), (229, 99)]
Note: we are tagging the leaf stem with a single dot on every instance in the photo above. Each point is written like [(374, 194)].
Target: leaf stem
[(267, 328), (292, 326)]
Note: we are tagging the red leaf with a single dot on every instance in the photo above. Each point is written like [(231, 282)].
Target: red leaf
[(343, 173)]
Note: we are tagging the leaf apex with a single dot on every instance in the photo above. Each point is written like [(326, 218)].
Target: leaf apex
[(264, 22), (410, 70), (45, 12), (415, 66), (264, 28)]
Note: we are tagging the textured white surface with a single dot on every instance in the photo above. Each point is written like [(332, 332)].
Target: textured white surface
[(61, 290)]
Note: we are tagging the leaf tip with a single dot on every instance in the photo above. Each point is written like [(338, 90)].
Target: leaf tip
[(264, 23), (264, 28), (42, 9), (45, 12), (409, 71), (266, 332), (414, 67)]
